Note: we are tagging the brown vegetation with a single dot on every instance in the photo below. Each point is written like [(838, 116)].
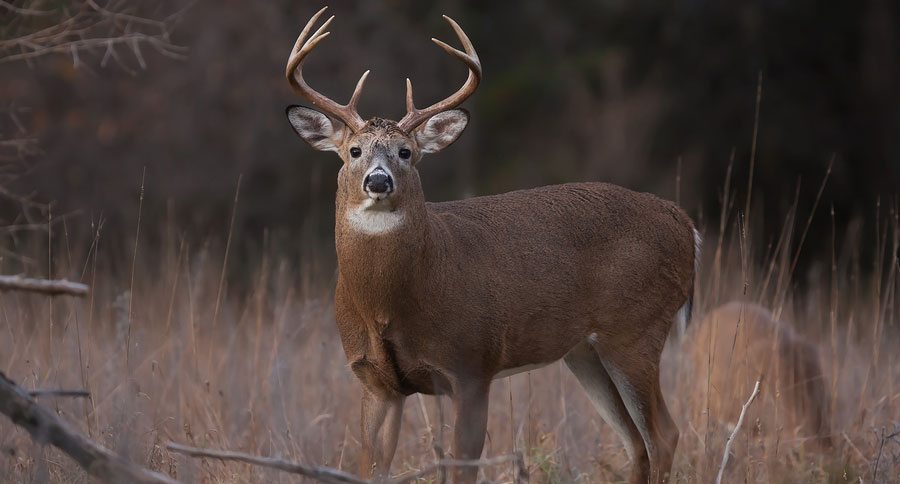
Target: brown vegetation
[(267, 376), (737, 343)]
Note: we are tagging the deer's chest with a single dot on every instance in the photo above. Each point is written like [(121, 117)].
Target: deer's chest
[(385, 358), (384, 365)]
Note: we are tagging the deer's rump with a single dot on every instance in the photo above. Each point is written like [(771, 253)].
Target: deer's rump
[(536, 271)]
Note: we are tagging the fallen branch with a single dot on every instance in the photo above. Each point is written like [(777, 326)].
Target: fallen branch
[(321, 474), (333, 476), (59, 393), (46, 427), (734, 432), (43, 286)]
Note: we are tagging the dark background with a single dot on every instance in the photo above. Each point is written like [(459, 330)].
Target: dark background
[(618, 91)]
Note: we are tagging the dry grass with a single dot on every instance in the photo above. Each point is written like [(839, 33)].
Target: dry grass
[(262, 371)]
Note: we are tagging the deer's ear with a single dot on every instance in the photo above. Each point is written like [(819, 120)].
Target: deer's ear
[(320, 131), (441, 130)]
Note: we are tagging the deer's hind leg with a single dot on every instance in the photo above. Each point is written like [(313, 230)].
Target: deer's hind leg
[(633, 367), (585, 364)]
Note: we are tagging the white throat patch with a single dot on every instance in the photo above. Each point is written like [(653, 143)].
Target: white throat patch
[(368, 220)]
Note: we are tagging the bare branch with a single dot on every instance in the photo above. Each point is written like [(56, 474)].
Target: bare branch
[(83, 28), (132, 40), (40, 392), (46, 428), (734, 432), (25, 201), (17, 149), (334, 476), (321, 474), (119, 16), (24, 11), (43, 286)]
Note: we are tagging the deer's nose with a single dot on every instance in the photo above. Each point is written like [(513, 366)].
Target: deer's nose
[(379, 182)]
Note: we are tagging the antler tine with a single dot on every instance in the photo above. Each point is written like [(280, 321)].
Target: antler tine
[(354, 99), (463, 38), (312, 21), (294, 73), (410, 106), (414, 117)]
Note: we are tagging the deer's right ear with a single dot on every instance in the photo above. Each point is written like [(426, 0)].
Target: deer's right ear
[(320, 131)]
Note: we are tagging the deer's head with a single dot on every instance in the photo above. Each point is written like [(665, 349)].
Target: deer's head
[(379, 155)]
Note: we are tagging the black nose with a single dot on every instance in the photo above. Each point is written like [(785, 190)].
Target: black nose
[(379, 182)]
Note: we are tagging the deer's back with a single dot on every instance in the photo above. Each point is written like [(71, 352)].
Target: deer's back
[(559, 224)]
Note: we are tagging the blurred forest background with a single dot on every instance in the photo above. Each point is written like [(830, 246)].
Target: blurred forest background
[(656, 96)]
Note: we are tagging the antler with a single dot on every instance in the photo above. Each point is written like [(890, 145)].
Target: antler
[(414, 117), (294, 73)]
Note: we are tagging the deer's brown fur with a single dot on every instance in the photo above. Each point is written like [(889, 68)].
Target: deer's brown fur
[(739, 342), (444, 297)]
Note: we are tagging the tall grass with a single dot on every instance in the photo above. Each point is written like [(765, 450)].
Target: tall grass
[(257, 366)]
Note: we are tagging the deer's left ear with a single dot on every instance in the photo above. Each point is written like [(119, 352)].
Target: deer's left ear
[(441, 130)]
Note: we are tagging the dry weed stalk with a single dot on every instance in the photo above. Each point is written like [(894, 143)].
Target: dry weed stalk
[(737, 428)]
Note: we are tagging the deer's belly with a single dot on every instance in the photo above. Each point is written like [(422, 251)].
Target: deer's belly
[(520, 369)]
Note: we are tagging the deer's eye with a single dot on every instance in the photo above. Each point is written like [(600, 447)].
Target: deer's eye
[(355, 152), (405, 153)]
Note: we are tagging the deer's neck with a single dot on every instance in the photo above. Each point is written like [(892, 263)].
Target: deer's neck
[(381, 255)]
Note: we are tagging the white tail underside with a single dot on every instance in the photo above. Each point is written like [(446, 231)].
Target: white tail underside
[(683, 317)]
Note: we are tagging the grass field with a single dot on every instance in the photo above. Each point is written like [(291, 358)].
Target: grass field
[(257, 366)]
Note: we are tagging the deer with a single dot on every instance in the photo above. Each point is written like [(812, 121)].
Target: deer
[(444, 298), (739, 342)]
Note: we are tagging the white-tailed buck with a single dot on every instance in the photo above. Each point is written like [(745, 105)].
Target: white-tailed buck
[(443, 298), (738, 342)]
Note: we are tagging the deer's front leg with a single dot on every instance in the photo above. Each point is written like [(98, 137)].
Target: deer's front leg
[(380, 428), (471, 407)]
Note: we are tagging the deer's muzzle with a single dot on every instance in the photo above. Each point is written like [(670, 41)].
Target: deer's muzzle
[(379, 183)]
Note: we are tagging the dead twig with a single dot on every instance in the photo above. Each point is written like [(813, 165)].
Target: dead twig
[(46, 427), (43, 286), (734, 432)]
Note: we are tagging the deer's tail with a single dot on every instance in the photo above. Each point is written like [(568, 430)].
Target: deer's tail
[(683, 317)]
